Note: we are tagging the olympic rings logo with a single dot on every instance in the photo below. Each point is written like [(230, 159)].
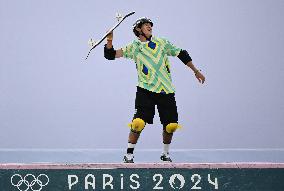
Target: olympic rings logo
[(29, 182)]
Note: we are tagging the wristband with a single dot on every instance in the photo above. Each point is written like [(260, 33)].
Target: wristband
[(109, 53)]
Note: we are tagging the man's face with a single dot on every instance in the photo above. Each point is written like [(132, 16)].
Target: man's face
[(146, 28)]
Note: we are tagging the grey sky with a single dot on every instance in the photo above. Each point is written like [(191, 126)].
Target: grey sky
[(50, 97)]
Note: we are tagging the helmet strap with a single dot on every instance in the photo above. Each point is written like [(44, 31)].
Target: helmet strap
[(143, 34)]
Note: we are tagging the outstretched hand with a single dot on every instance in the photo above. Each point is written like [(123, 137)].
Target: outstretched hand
[(200, 77)]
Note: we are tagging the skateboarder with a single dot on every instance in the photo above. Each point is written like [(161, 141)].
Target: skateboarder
[(155, 86)]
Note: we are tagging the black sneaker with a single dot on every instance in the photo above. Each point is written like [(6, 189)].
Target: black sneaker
[(165, 158), (128, 158)]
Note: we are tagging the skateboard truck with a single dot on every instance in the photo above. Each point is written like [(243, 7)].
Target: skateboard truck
[(91, 42), (118, 16)]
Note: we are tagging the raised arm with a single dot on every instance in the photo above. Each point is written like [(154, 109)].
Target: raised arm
[(109, 51)]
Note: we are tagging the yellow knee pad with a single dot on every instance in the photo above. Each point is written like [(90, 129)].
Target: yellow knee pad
[(137, 125), (172, 127)]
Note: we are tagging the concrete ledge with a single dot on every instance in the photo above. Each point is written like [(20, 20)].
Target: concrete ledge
[(251, 165), (234, 176)]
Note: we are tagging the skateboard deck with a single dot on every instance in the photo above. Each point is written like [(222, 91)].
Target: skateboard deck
[(109, 31)]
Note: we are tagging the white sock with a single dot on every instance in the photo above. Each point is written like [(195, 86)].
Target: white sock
[(130, 148), (130, 145), (166, 148)]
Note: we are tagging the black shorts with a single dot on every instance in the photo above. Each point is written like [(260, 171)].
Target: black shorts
[(145, 106)]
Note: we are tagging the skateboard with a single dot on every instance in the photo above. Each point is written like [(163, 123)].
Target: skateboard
[(120, 19)]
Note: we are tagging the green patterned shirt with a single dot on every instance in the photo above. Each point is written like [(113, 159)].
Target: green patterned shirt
[(152, 63)]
